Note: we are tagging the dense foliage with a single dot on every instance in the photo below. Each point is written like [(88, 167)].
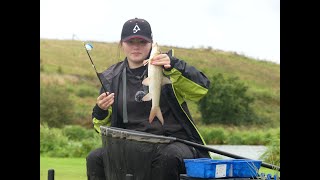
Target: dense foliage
[(56, 109), (70, 141), (227, 102)]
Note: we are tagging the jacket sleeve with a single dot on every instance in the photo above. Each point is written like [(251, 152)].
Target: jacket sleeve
[(188, 82), (101, 117)]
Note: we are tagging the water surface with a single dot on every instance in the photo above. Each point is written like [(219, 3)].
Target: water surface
[(247, 151)]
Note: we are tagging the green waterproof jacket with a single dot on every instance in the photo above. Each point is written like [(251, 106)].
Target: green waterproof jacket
[(188, 83)]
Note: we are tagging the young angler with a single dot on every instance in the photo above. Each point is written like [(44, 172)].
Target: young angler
[(122, 106)]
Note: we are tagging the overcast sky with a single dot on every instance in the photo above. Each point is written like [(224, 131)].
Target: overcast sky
[(248, 27)]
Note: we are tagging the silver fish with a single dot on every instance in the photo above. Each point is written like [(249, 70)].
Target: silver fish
[(154, 81)]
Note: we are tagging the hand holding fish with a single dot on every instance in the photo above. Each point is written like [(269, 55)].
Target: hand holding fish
[(104, 101), (161, 60)]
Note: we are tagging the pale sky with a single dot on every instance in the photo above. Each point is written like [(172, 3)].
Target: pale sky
[(248, 27)]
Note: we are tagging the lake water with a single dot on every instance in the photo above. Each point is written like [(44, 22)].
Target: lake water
[(247, 151)]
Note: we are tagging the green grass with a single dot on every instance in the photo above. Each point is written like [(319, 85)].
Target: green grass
[(75, 168), (65, 168)]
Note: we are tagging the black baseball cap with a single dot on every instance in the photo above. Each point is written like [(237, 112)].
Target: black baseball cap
[(136, 28)]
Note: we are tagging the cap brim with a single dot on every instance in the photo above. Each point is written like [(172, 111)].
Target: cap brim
[(137, 36)]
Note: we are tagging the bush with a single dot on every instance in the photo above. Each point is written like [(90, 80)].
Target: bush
[(51, 140), (56, 109), (214, 136), (71, 141), (77, 133), (226, 102), (235, 138)]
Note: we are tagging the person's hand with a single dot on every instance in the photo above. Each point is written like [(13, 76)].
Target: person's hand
[(161, 60), (105, 101)]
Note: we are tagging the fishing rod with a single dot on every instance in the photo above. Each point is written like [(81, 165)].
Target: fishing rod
[(88, 47)]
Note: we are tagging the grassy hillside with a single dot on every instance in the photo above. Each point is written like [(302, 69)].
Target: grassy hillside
[(65, 62)]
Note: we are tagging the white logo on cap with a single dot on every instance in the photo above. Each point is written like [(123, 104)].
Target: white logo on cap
[(136, 29)]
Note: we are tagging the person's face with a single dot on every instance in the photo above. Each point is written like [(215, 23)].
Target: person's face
[(136, 50)]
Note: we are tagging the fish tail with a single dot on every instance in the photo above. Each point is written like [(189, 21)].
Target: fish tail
[(155, 111)]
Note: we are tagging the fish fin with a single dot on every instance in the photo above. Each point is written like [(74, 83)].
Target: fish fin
[(147, 97), (165, 80), (155, 111), (145, 62), (146, 81)]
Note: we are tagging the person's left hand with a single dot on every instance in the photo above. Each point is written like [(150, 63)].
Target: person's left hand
[(161, 60)]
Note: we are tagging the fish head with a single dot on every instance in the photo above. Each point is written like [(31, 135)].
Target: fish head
[(155, 50)]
